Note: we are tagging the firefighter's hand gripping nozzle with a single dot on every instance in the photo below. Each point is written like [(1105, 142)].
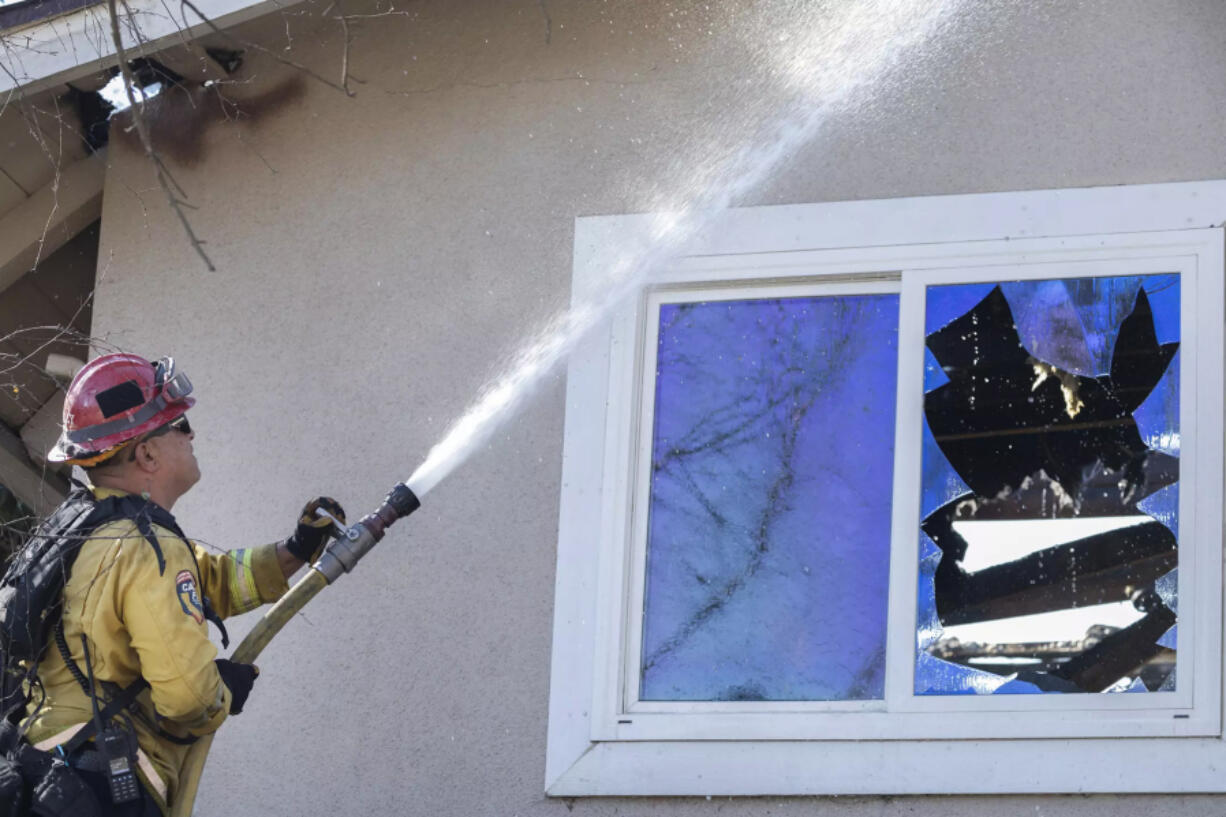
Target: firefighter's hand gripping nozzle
[(354, 542)]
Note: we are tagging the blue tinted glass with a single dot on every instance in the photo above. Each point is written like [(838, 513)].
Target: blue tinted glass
[(769, 518), (1048, 544)]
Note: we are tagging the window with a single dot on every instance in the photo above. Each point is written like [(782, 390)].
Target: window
[(859, 486), (739, 601)]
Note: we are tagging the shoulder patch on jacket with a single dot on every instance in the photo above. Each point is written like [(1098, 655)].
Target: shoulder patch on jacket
[(189, 596)]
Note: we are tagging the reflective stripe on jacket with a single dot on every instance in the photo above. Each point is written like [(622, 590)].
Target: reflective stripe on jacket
[(143, 615)]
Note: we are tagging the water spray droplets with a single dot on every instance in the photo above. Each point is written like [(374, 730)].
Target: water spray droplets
[(830, 56)]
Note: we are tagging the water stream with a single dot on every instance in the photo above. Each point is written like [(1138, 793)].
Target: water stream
[(822, 60)]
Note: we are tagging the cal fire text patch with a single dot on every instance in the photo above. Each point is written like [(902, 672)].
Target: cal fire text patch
[(189, 598)]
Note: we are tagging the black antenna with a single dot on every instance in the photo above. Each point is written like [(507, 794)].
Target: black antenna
[(93, 697)]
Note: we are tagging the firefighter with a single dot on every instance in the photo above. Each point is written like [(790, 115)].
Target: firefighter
[(140, 595)]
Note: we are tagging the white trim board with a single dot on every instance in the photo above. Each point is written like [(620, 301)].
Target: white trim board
[(929, 219), (588, 754), (748, 768)]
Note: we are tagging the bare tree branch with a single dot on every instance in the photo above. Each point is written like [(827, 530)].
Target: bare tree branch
[(345, 54), (389, 13), (142, 130), (344, 21)]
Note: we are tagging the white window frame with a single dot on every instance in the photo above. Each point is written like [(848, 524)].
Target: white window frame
[(603, 741)]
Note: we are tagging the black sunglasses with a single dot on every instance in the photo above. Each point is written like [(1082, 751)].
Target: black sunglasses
[(179, 424)]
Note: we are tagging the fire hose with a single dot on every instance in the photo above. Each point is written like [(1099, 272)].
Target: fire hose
[(340, 557)]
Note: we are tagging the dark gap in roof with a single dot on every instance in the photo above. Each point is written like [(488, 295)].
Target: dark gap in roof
[(95, 110)]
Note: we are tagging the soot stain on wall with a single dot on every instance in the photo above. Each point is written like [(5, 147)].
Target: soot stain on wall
[(181, 116)]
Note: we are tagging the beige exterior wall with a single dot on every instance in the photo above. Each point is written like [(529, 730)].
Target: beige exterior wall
[(378, 256)]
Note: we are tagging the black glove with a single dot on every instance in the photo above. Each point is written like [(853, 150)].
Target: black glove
[(312, 531), (238, 678)]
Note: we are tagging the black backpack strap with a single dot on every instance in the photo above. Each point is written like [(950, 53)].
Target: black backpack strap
[(61, 536), (121, 702), (175, 739), (144, 513), (31, 590), (149, 514), (146, 529), (125, 698), (156, 514)]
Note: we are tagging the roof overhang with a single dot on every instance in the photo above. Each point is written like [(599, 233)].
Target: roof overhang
[(79, 43)]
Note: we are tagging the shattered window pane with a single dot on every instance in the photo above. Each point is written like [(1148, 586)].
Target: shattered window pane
[(769, 510), (1050, 487)]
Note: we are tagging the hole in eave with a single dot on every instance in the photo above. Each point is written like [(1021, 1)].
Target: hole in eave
[(95, 108)]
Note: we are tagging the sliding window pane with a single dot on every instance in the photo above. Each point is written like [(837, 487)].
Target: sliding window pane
[(1050, 487), (769, 509)]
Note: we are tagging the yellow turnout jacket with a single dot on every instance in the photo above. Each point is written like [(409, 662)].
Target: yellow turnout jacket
[(143, 617)]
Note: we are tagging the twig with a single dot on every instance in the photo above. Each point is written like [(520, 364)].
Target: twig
[(390, 13), (253, 149), (345, 54), (13, 91), (55, 158), (548, 22), (144, 211), (143, 131)]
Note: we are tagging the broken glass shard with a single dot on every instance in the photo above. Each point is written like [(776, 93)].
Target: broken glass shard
[(1167, 588), (934, 375), (769, 505), (1163, 505), (949, 678), (1153, 415), (1049, 326), (1060, 420)]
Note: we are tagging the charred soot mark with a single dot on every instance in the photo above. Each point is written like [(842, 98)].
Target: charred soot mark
[(180, 117)]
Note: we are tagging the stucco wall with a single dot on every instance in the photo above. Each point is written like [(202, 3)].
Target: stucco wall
[(378, 256)]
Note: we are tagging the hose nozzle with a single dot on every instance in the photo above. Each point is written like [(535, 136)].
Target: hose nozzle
[(402, 499), (354, 542)]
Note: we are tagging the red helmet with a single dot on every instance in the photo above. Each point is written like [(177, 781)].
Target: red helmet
[(116, 398)]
